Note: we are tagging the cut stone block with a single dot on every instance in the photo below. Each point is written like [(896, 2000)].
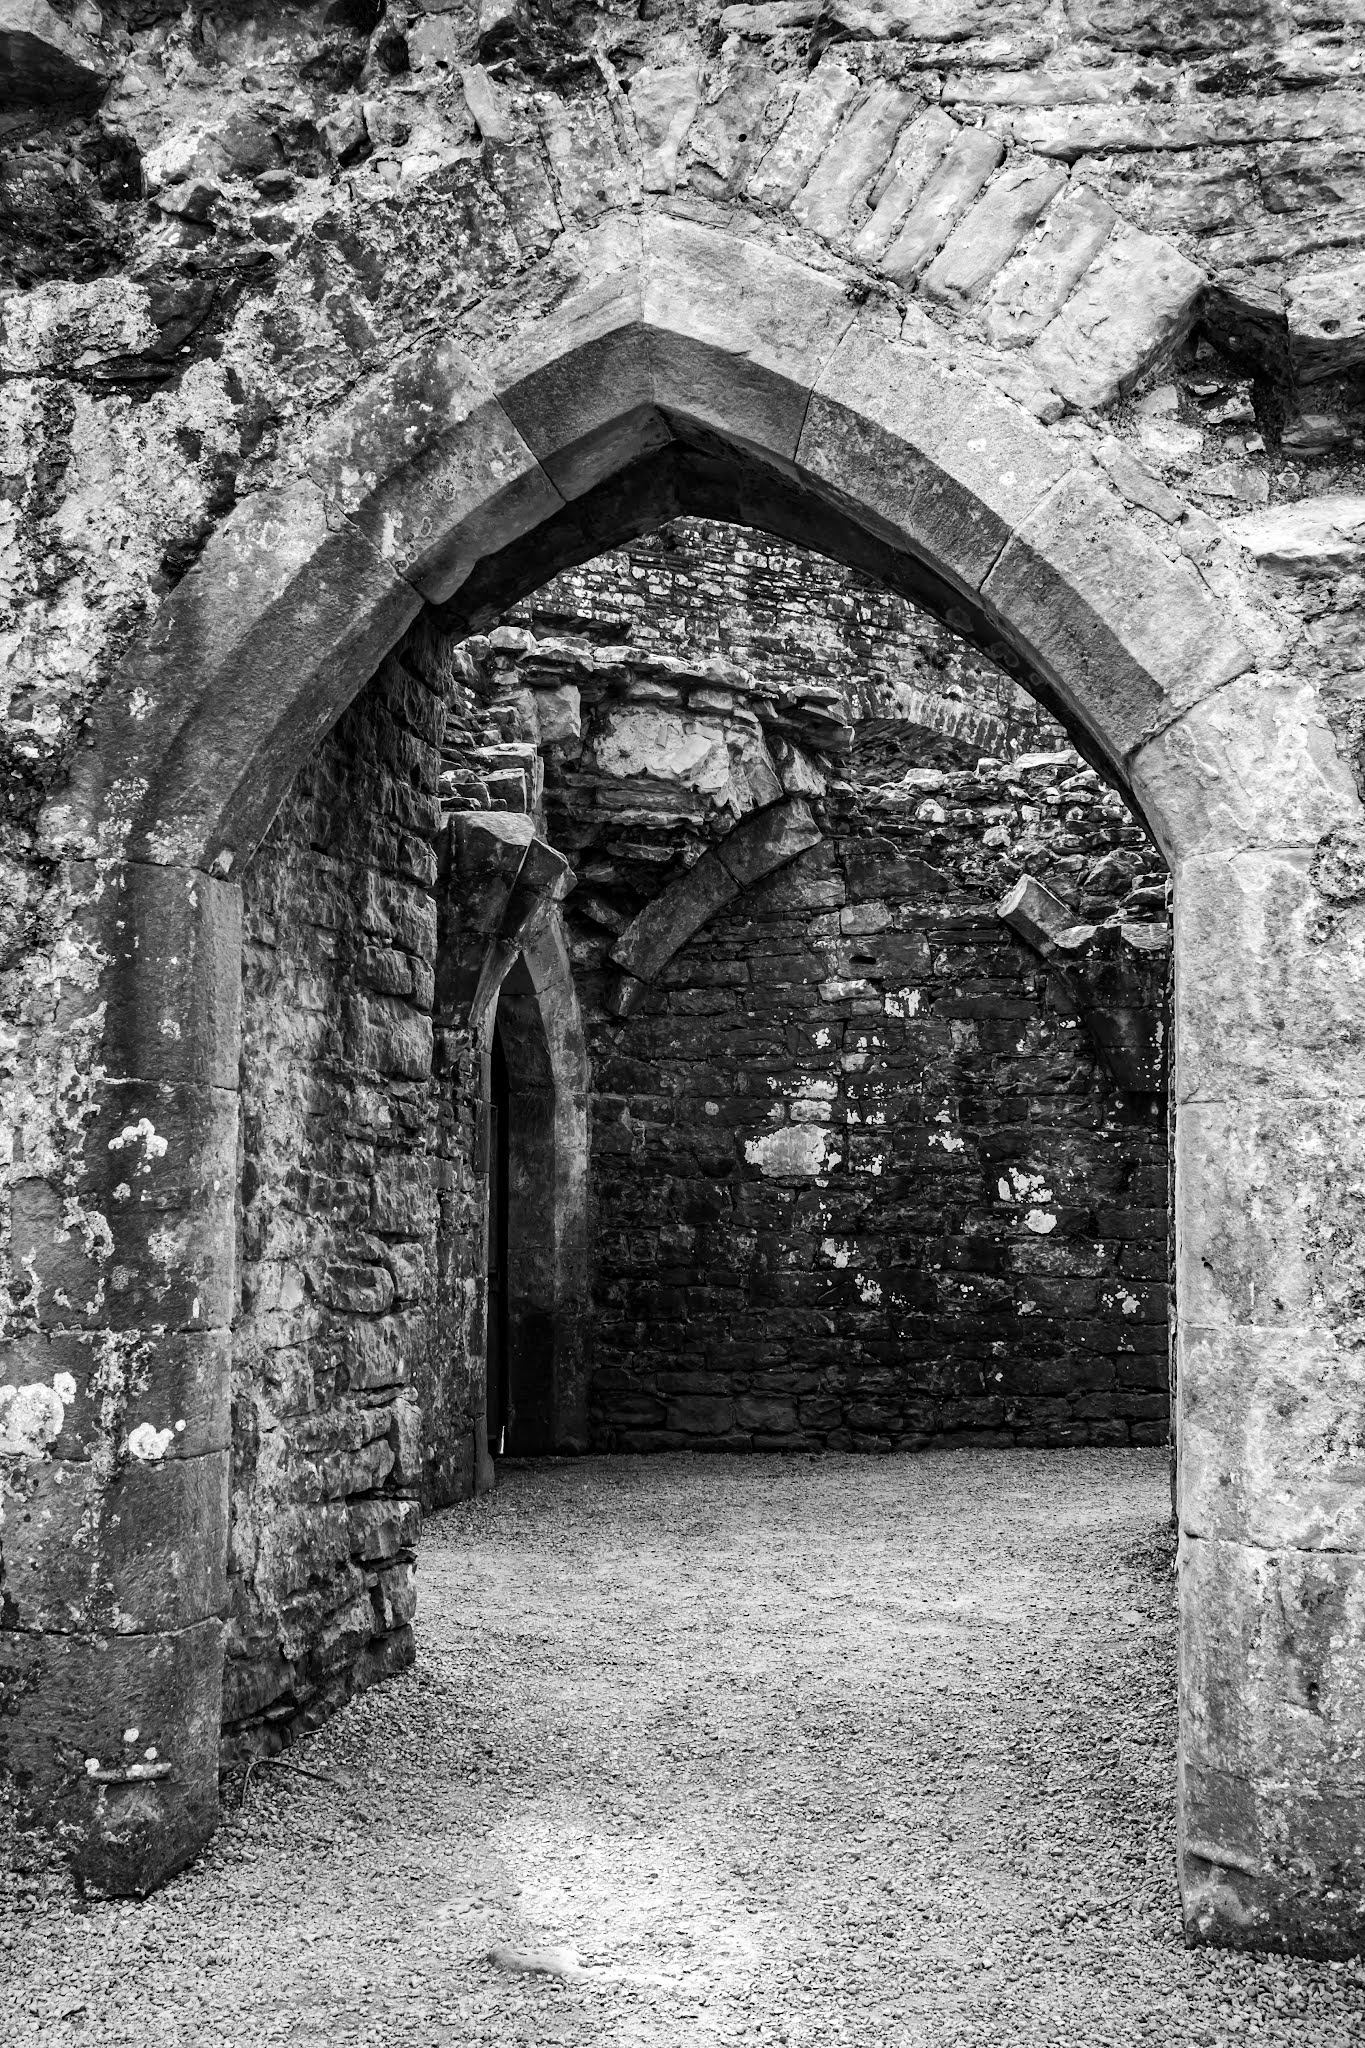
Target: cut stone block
[(918, 151), (1270, 1427), (938, 455), (430, 468), (1032, 290), (827, 202), (669, 921), (1092, 597), (738, 334), (1254, 763), (1320, 536), (948, 192), (982, 243), (122, 1821), (1272, 979), (809, 129), (143, 1551), (1271, 1205), (1135, 300)]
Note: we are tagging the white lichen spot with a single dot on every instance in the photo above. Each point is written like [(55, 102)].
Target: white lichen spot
[(149, 1444), (870, 1292), (31, 1417), (836, 1253), (142, 1134), (821, 1038), (947, 1141), (169, 1028), (123, 1193), (1023, 1187), (902, 1002), (1040, 1221), (139, 704), (797, 1150), (131, 1734), (712, 1108), (64, 1387)]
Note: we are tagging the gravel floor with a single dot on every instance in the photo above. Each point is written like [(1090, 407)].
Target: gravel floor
[(763, 1750)]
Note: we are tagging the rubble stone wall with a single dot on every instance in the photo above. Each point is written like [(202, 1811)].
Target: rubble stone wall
[(340, 1158), (861, 1177)]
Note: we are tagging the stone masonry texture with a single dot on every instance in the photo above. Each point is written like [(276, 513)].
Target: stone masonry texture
[(621, 537)]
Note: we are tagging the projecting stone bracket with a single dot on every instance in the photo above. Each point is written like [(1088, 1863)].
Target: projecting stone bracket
[(765, 841), (1114, 976), (495, 877)]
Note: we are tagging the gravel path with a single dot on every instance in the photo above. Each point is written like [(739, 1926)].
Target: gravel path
[(764, 1750)]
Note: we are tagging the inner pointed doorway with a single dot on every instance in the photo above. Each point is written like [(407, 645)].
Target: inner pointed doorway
[(525, 1322)]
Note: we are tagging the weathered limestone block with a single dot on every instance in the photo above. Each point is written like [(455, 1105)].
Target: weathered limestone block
[(126, 1819), (242, 635), (1270, 1421), (1326, 324), (1253, 764), (739, 334), (1032, 289), (670, 920), (427, 465), (137, 1240), (1292, 1030), (948, 192), (1318, 536), (1270, 1701), (877, 400), (981, 244), (1044, 922), (919, 149), (811, 126), (664, 103), (1114, 603), (120, 1555), (1136, 299), (768, 840), (1272, 1239), (828, 201)]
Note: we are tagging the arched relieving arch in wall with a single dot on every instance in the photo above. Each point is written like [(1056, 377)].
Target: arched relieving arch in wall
[(681, 353)]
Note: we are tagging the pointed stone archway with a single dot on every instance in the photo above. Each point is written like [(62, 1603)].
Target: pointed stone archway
[(684, 369)]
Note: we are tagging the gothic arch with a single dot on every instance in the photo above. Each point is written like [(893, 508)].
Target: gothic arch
[(682, 369)]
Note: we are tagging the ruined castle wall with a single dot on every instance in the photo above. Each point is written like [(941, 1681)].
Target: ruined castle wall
[(862, 1179), (860, 1174)]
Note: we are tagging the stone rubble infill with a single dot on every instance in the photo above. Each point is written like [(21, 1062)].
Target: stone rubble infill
[(875, 1752)]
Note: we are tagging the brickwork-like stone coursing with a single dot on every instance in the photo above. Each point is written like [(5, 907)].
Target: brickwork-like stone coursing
[(345, 1158), (861, 1179)]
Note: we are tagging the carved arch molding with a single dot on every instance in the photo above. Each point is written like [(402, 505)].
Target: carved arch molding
[(684, 369)]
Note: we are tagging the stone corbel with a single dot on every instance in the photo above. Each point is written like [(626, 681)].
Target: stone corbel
[(762, 842), (1114, 976), (496, 878)]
